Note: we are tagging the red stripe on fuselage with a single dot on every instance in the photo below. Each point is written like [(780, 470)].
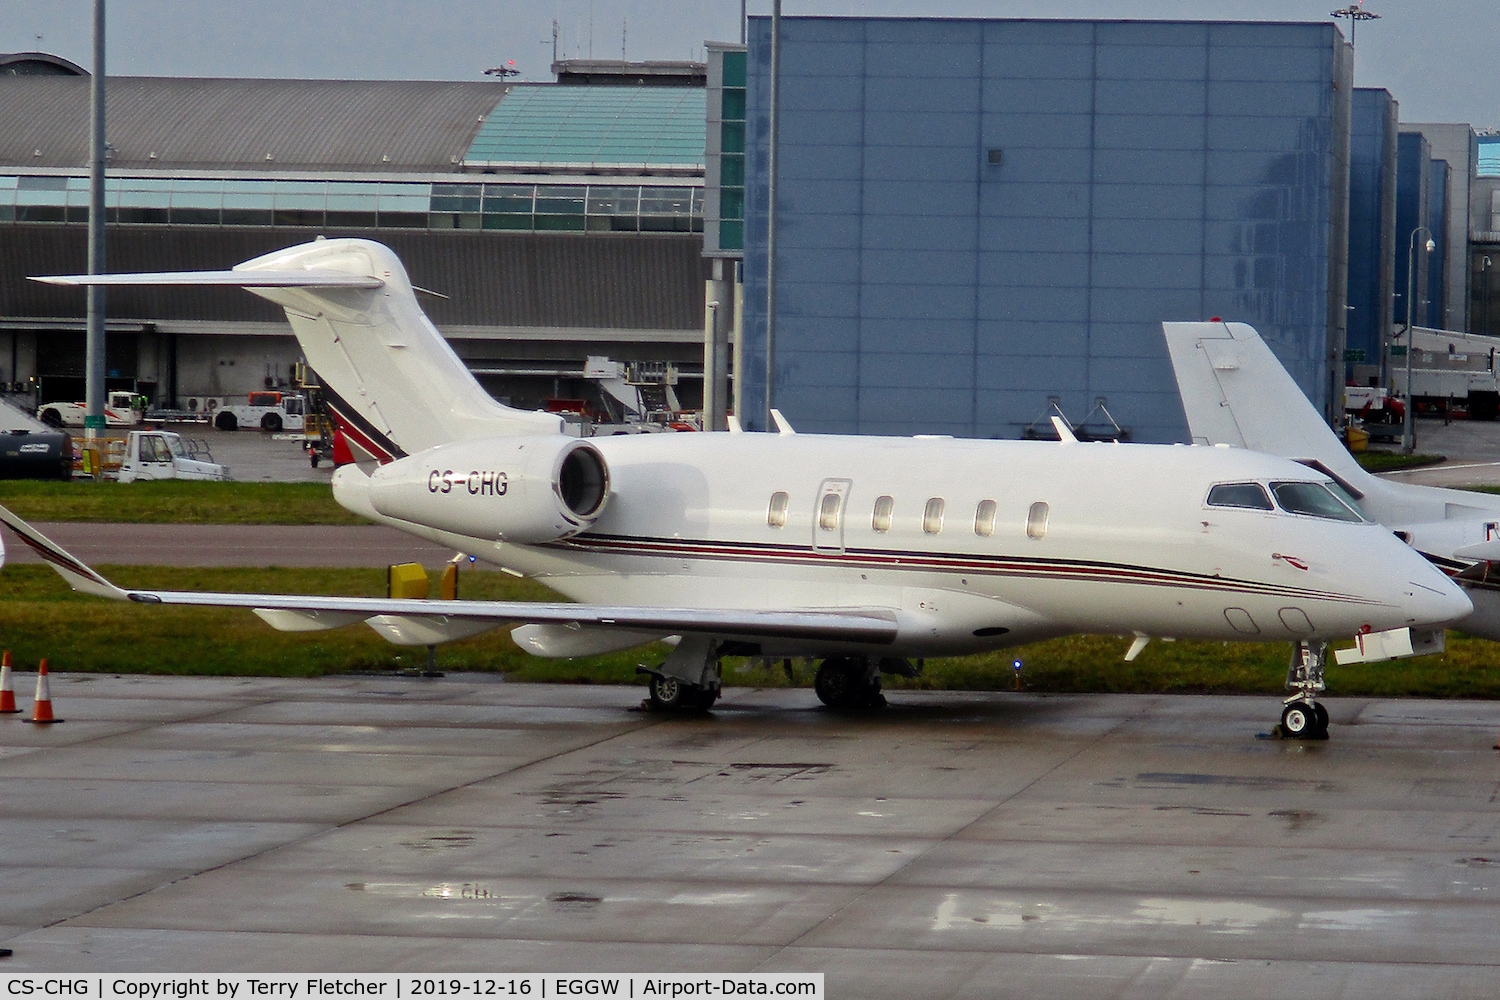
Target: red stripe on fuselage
[(994, 566)]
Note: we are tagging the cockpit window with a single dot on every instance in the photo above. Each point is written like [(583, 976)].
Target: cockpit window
[(1352, 500), (1239, 495), (1314, 500)]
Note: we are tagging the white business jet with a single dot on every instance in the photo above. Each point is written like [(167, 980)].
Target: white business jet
[(1235, 392), (865, 552)]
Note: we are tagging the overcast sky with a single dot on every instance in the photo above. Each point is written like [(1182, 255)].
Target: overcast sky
[(1441, 58)]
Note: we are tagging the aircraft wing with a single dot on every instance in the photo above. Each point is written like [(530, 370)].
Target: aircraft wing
[(423, 622)]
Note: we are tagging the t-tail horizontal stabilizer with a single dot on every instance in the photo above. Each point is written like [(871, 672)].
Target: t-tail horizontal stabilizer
[(388, 376), (306, 278), (417, 622)]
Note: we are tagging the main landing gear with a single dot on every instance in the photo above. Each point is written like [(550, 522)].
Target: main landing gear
[(849, 682), (1302, 717), (689, 679)]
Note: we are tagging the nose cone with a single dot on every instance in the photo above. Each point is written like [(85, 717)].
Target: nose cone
[(1440, 601), (1424, 593), (1413, 592)]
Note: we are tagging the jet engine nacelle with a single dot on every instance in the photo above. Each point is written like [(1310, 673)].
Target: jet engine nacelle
[(525, 489)]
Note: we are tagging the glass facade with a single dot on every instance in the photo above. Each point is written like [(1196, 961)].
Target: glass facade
[(1372, 224), (550, 125), (975, 216), (724, 229), (1489, 156), (1437, 216), (320, 204), (1412, 196)]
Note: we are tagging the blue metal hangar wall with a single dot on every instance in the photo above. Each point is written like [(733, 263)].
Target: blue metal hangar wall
[(976, 215)]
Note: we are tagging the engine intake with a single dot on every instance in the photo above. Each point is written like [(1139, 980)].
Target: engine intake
[(514, 489)]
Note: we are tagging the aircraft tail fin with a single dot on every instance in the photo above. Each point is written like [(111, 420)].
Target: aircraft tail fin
[(1235, 392), (392, 381)]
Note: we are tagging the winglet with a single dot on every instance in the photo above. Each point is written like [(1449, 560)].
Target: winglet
[(79, 576), (1064, 432)]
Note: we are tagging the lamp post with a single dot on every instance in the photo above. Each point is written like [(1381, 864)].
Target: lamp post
[(1408, 433), (93, 364), (1484, 292), (1355, 13)]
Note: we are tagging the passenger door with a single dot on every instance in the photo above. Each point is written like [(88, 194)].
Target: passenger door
[(828, 515)]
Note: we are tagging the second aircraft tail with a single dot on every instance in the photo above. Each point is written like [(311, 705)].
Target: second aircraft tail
[(1235, 392)]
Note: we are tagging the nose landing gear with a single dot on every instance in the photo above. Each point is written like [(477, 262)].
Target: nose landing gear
[(1302, 717)]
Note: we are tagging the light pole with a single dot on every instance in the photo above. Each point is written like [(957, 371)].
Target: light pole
[(93, 365), (1484, 292), (1355, 13), (1408, 434)]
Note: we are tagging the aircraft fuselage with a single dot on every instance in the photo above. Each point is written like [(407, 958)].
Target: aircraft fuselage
[(979, 544)]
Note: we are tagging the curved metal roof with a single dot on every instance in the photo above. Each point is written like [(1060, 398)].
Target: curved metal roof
[(38, 64), (262, 125)]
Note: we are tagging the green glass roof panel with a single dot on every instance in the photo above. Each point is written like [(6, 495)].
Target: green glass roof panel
[(1489, 156), (659, 126)]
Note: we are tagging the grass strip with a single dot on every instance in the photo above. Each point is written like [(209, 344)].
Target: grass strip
[(40, 616), (1394, 461), (175, 502)]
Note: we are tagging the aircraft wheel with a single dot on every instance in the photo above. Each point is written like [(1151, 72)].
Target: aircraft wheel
[(1320, 719), (840, 683), (674, 695), (1299, 720), (833, 683)]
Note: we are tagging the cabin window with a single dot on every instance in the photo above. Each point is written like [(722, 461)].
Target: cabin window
[(828, 512), (880, 520), (1036, 520), (1252, 495), (984, 518), (932, 516), (776, 513), (1314, 500)]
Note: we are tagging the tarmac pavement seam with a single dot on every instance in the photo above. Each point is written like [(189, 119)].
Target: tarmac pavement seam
[(936, 842), (417, 800), (108, 735)]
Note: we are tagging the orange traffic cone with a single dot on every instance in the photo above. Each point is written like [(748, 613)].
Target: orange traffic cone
[(43, 711), (7, 692)]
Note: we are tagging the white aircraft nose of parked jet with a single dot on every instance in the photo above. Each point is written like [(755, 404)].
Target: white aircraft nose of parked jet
[(1424, 593)]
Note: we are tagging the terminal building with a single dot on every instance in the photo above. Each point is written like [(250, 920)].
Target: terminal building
[(976, 219), (554, 222), (1484, 252)]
